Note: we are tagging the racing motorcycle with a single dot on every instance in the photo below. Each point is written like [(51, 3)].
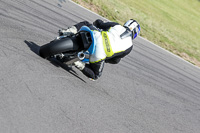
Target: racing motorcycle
[(68, 49)]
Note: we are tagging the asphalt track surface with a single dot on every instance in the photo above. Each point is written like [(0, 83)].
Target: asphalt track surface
[(149, 91)]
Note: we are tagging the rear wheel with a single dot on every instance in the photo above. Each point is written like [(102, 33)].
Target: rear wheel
[(59, 46)]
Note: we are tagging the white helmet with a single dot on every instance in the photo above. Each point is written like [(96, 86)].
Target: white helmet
[(133, 26)]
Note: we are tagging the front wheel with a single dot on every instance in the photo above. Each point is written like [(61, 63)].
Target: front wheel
[(59, 46)]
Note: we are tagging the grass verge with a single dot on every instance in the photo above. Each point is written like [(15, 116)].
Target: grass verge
[(173, 25)]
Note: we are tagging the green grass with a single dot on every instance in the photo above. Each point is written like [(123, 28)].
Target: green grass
[(172, 24)]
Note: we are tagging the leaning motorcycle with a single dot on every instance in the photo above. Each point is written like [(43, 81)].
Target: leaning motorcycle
[(69, 49)]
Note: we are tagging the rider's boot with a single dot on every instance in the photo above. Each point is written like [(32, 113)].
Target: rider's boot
[(67, 32), (80, 65)]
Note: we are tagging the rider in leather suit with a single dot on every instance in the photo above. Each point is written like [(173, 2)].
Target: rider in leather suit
[(113, 43)]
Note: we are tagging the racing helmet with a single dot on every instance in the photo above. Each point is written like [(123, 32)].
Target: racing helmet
[(133, 26)]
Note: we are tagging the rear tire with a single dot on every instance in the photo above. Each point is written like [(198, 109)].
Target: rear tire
[(59, 46)]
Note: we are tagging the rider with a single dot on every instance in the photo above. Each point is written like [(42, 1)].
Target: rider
[(113, 43)]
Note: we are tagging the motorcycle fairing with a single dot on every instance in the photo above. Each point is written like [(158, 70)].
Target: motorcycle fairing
[(92, 47)]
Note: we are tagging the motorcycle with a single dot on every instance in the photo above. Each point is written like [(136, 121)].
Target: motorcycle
[(69, 49)]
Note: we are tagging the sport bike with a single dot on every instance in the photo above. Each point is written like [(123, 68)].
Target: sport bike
[(69, 49)]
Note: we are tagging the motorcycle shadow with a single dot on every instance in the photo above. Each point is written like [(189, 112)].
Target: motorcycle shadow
[(35, 49)]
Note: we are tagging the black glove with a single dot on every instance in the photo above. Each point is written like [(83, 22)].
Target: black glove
[(97, 22)]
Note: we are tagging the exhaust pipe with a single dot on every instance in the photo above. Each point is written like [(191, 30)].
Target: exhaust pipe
[(81, 55)]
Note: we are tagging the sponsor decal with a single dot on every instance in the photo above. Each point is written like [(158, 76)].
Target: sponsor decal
[(106, 41)]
